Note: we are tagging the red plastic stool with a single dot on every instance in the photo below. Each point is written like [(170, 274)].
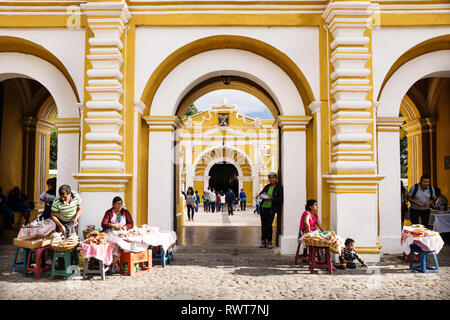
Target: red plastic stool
[(303, 257), (41, 261), (316, 263)]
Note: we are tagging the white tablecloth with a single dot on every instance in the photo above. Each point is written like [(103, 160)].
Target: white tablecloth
[(433, 243), (161, 238), (441, 222)]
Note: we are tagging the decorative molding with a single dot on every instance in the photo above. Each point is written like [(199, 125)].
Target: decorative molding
[(107, 21), (163, 123), (349, 23), (292, 123)]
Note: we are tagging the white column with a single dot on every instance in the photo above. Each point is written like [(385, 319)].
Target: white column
[(315, 110), (161, 171), (104, 116), (139, 108), (68, 151), (389, 191), (189, 165), (293, 168)]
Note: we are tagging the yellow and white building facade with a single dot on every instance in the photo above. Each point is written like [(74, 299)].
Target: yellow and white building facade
[(223, 136), (341, 78)]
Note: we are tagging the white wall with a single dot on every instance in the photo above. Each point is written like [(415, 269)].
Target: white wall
[(153, 45), (389, 43)]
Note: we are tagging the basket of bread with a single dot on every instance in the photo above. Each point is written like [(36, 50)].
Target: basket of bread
[(96, 237), (324, 239), (59, 244)]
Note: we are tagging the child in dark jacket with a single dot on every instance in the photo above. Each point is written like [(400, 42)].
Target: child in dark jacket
[(348, 255)]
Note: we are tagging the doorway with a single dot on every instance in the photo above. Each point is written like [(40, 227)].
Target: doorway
[(223, 176)]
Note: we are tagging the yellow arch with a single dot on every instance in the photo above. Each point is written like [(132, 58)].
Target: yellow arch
[(14, 44), (409, 110), (228, 42), (430, 45)]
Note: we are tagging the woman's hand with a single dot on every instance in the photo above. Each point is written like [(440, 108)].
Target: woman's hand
[(116, 226), (61, 228), (75, 222)]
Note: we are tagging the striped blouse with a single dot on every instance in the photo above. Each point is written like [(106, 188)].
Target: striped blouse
[(66, 211)]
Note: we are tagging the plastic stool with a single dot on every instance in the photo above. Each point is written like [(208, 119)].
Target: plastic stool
[(20, 265), (131, 258), (315, 262), (423, 260), (101, 270), (159, 255), (67, 256), (40, 261), (304, 257)]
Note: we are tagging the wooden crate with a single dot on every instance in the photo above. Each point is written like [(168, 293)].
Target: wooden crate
[(31, 244)]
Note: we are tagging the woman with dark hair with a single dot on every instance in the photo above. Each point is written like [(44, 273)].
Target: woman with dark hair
[(48, 197), (117, 218), (190, 202), (310, 218)]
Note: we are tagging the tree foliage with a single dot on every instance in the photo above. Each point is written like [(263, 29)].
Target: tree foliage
[(191, 111), (404, 156), (54, 149)]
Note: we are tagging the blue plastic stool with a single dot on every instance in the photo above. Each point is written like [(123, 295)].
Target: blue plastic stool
[(162, 256), (20, 265), (423, 260)]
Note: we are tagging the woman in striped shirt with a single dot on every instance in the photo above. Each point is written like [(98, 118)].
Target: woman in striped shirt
[(66, 210)]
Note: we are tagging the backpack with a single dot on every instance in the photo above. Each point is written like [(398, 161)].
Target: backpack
[(416, 187)]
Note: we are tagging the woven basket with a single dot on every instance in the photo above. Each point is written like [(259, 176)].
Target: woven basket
[(317, 243), (64, 247)]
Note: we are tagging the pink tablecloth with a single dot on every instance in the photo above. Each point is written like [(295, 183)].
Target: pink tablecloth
[(102, 252)]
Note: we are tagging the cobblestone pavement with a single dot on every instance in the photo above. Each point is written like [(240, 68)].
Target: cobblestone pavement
[(236, 273), (222, 260)]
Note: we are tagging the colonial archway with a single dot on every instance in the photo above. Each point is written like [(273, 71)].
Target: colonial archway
[(396, 85), (163, 96), (19, 65)]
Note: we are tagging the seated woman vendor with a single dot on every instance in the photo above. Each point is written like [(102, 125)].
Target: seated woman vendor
[(310, 218), (117, 218)]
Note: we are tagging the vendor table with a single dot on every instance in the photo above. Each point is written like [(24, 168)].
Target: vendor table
[(431, 243), (440, 220), (165, 239)]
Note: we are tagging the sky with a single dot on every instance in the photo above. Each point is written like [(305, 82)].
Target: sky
[(247, 104)]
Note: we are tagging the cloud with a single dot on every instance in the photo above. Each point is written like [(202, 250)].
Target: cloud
[(247, 104)]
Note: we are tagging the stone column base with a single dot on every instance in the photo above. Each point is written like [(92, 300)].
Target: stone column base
[(390, 244)]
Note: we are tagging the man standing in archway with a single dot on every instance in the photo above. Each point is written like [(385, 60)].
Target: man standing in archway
[(272, 200), (421, 196)]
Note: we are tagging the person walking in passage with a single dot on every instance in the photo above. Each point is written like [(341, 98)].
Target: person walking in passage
[(272, 199), (197, 200), (190, 202), (212, 200), (243, 198), (421, 196), (205, 197), (229, 198)]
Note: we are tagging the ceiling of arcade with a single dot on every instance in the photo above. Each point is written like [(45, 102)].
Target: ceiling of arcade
[(32, 94), (425, 95)]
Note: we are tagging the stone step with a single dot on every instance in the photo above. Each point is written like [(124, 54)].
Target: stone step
[(227, 250)]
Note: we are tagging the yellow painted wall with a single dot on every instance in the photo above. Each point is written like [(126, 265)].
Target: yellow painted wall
[(142, 190), (199, 186), (248, 189), (443, 142), (11, 151)]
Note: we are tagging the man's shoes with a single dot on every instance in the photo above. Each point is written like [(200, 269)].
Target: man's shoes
[(269, 245), (263, 244)]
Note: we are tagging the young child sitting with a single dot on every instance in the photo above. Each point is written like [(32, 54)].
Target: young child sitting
[(349, 255)]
